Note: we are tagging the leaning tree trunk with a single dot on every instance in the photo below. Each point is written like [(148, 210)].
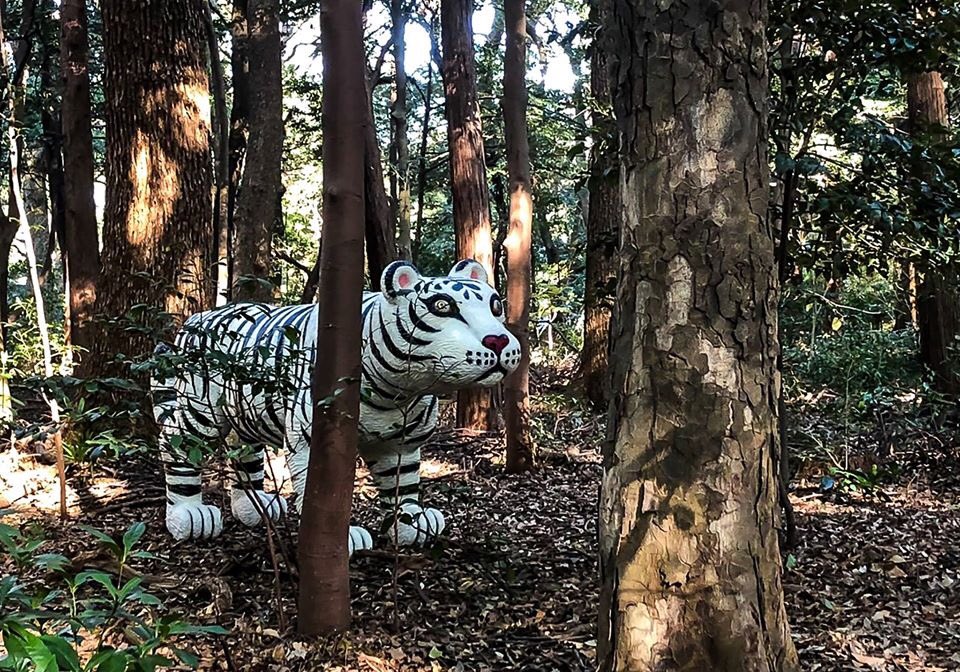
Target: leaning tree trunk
[(258, 204), (471, 202), (690, 569), (82, 249), (324, 600), (516, 388), (604, 213), (158, 242), (938, 310)]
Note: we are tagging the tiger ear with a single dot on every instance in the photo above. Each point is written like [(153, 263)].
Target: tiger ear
[(469, 268), (398, 278)]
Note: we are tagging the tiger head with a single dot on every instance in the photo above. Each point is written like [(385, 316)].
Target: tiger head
[(444, 333)]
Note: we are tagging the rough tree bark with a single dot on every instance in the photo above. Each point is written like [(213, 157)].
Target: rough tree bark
[(604, 213), (158, 242), (938, 301), (516, 388), (324, 593), (690, 569), (400, 154), (81, 238), (258, 203), (471, 202)]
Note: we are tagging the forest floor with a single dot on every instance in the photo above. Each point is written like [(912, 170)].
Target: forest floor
[(872, 585)]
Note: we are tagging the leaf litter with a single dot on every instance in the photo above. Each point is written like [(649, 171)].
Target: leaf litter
[(513, 583)]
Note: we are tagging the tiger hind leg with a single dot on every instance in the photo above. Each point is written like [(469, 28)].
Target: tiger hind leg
[(248, 502)]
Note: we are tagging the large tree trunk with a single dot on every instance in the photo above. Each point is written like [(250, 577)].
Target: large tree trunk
[(378, 226), (258, 204), (324, 600), (516, 388), (471, 202), (158, 242), (398, 116), (690, 569), (604, 213), (938, 301), (82, 244)]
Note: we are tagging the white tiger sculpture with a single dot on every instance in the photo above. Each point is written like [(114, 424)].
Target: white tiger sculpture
[(421, 336)]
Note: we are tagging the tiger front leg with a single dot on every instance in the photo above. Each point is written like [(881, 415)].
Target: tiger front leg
[(297, 445), (397, 477)]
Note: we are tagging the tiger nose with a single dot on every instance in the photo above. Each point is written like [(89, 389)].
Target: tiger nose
[(497, 343)]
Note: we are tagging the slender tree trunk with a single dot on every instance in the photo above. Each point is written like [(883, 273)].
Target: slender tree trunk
[(239, 125), (516, 388), (158, 243), (471, 202), (398, 116), (11, 84), (221, 161), (690, 568), (19, 214), (938, 299), (422, 168), (378, 227), (604, 213), (324, 601), (258, 204)]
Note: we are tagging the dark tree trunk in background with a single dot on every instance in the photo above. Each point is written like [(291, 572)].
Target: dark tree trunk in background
[(258, 204), (52, 157), (400, 154), (158, 242), (324, 593), (239, 125), (938, 301), (422, 167), (378, 226), (604, 214), (690, 568), (471, 202), (82, 242), (516, 388)]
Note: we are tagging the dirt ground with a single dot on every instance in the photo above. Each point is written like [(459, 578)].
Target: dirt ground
[(513, 584)]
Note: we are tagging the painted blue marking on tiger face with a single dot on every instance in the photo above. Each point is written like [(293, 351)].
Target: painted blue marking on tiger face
[(449, 329)]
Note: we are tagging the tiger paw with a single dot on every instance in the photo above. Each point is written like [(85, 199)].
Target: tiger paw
[(415, 525), (189, 520), (359, 540), (246, 510)]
